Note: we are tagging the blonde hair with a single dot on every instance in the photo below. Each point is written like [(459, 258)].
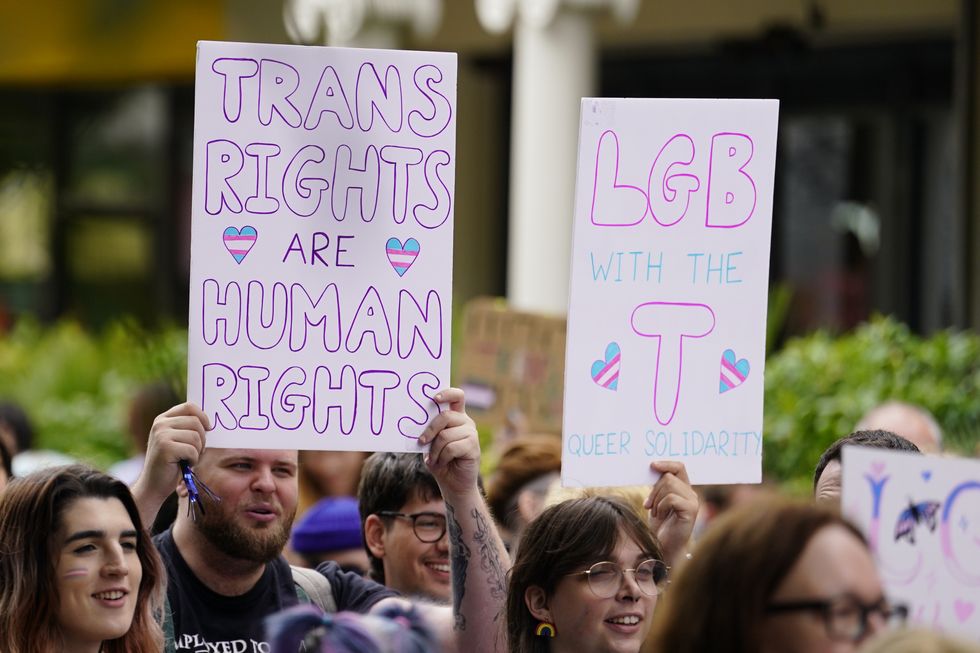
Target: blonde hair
[(633, 496)]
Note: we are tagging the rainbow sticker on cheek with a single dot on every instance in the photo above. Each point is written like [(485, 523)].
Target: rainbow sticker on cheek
[(545, 630)]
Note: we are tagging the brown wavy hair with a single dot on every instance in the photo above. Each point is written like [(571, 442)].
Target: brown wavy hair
[(31, 510), (717, 602), (564, 538)]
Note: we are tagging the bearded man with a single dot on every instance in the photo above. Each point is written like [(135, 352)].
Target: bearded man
[(225, 571)]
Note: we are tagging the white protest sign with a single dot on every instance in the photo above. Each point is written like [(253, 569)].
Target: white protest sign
[(321, 251), (921, 515), (670, 273)]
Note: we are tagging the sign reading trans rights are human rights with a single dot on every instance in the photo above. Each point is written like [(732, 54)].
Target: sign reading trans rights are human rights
[(670, 269), (321, 256)]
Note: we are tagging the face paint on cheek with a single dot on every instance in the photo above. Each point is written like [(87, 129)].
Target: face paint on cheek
[(76, 573)]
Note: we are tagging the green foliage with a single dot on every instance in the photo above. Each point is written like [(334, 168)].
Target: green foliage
[(76, 386), (818, 387)]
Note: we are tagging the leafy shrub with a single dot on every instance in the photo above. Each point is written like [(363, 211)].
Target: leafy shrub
[(76, 386), (819, 386)]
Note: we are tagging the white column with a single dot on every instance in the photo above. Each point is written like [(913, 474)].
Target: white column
[(359, 23), (554, 68)]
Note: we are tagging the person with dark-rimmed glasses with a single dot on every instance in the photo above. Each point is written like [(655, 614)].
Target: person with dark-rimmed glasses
[(845, 618), (776, 577), (403, 518)]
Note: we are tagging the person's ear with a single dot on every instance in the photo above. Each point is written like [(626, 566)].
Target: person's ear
[(374, 532), (528, 506), (536, 601)]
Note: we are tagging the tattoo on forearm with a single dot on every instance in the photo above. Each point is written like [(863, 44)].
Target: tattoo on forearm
[(459, 559), (489, 557)]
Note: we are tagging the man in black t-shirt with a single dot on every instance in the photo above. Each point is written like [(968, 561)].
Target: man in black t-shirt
[(225, 569)]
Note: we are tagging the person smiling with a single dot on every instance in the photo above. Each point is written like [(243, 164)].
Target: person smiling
[(586, 578), (77, 571), (403, 518)]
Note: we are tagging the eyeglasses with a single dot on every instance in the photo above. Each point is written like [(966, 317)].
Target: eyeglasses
[(846, 618), (429, 527), (605, 577)]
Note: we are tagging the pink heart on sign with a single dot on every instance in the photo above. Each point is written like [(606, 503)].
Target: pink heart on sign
[(963, 609), (239, 242), (877, 468)]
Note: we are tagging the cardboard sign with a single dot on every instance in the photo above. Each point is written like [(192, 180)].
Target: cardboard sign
[(321, 253), (921, 515), (670, 273), (512, 361)]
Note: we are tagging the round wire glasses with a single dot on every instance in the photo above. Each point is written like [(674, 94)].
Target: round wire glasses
[(605, 578)]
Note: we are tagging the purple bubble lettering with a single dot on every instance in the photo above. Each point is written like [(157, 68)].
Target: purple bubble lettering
[(265, 322), (432, 217), (303, 194), (614, 204), (289, 408), (260, 202), (384, 97), (218, 384), (329, 97), (378, 383), (421, 387), (253, 419), (363, 181), (306, 312), (402, 160), (665, 207), (221, 313), (731, 191), (670, 324), (412, 321), (370, 318), (434, 121), (233, 71), (277, 83), (223, 160), (329, 397), (953, 561)]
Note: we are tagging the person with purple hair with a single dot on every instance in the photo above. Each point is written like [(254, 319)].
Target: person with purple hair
[(393, 629)]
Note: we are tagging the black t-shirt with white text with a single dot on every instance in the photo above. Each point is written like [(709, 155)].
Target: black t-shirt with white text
[(207, 622)]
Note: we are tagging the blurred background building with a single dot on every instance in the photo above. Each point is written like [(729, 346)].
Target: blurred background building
[(877, 207)]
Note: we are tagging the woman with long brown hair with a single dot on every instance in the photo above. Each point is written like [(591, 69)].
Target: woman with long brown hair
[(775, 577), (78, 572)]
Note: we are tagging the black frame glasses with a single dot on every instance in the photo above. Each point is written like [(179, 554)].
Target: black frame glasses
[(845, 617), (426, 532), (606, 577)]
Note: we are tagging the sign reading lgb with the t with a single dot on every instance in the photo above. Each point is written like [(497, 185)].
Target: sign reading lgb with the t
[(670, 271)]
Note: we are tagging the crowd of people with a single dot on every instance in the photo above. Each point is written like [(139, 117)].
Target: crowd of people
[(417, 560)]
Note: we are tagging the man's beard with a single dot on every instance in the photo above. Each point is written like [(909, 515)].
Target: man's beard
[(237, 541)]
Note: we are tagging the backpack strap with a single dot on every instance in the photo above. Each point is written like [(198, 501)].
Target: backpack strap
[(315, 586), (168, 627)]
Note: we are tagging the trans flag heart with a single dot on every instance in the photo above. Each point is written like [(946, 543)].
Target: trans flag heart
[(239, 243), (401, 256), (733, 372), (605, 372)]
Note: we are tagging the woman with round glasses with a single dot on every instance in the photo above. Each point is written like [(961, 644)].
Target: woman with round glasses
[(586, 578), (775, 577)]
